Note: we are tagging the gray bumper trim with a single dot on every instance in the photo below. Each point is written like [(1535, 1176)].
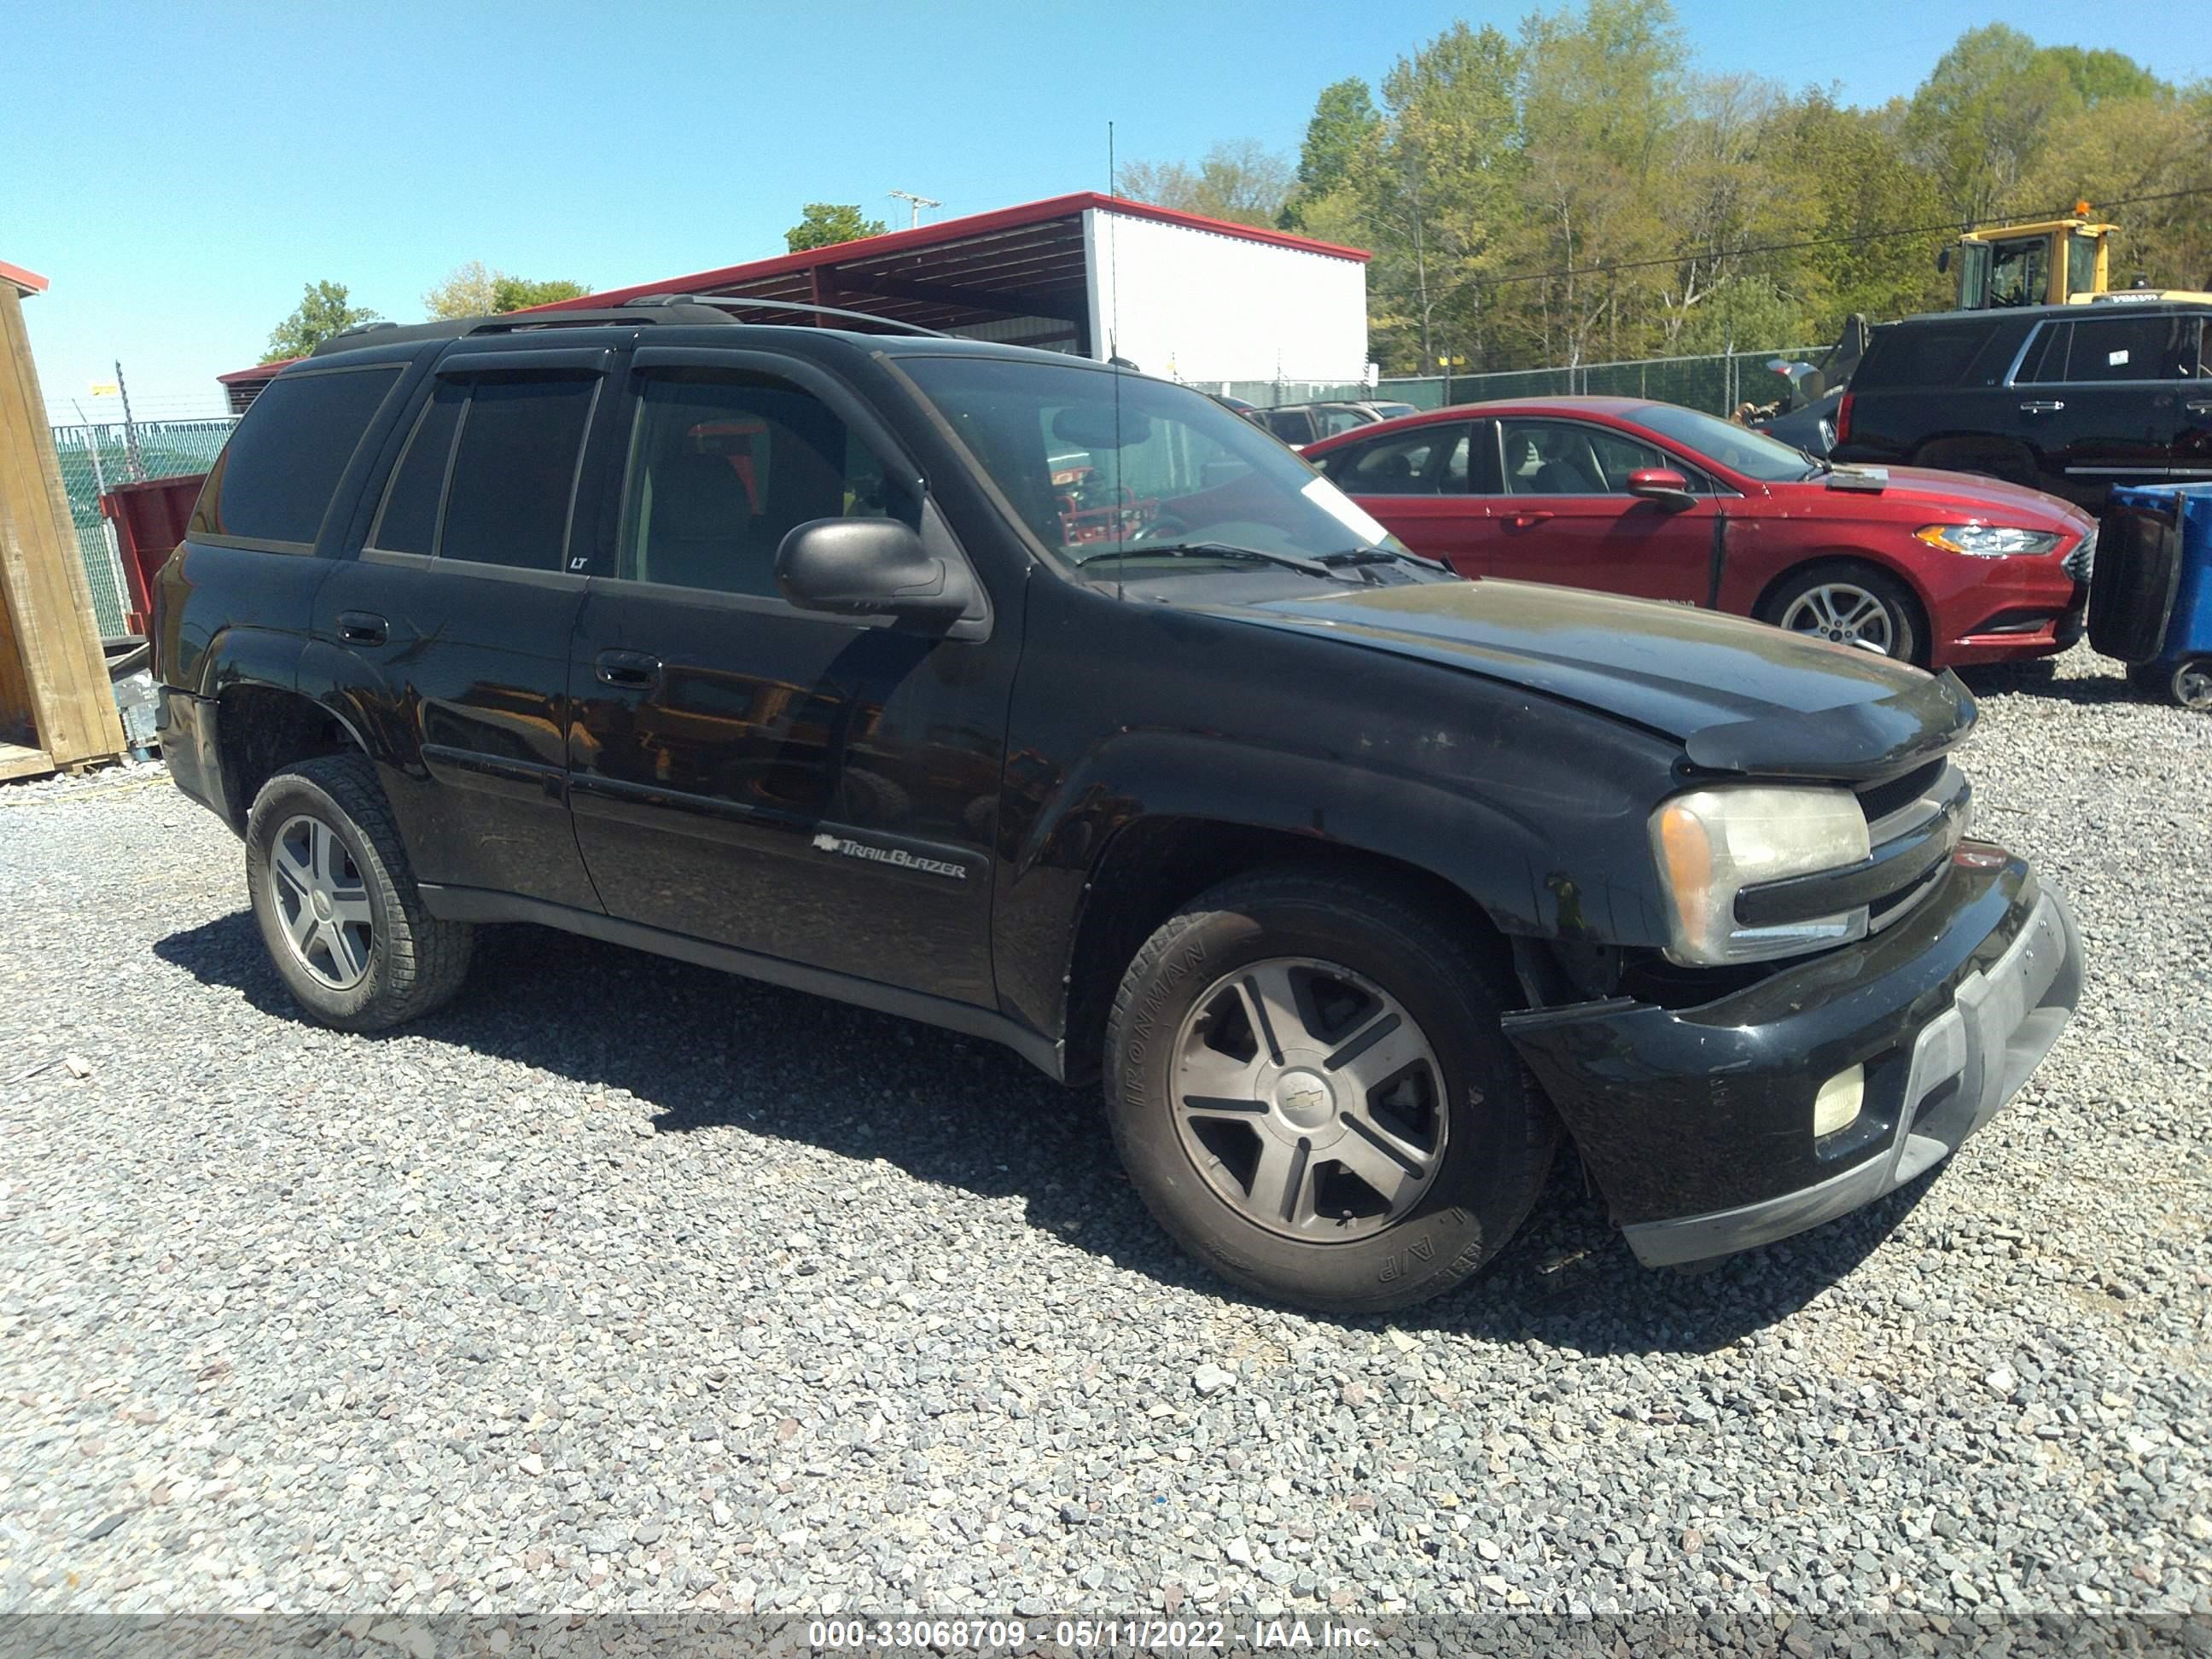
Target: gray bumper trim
[(1966, 1063)]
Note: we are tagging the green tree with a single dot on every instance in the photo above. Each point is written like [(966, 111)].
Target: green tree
[(325, 309), (1980, 120), (1343, 119), (477, 290), (1242, 182), (1602, 94), (2104, 76), (824, 224), (517, 293)]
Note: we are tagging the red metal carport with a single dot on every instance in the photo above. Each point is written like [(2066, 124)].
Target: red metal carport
[(1020, 275)]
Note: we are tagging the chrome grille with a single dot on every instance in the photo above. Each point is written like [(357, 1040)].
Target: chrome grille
[(1940, 787)]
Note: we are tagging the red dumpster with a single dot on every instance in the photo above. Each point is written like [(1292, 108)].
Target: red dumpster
[(149, 521)]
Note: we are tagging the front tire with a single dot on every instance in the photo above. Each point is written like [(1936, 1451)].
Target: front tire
[(336, 902), (1309, 1086), (1850, 604)]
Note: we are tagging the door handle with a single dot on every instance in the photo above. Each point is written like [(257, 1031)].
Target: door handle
[(2042, 407), (362, 628), (2199, 408), (1523, 521), (630, 669)]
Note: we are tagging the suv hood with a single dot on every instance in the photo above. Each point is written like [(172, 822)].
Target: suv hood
[(1740, 696), (1948, 496)]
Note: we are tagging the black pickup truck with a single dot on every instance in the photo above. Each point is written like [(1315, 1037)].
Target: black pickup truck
[(1057, 705)]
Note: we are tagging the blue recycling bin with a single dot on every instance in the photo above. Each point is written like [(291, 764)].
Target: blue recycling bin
[(2150, 594)]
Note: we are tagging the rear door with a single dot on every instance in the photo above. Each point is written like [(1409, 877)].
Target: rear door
[(2181, 410), (817, 788), (1420, 483), (1563, 514), (451, 624), (2105, 396)]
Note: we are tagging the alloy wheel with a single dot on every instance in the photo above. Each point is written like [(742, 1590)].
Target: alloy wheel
[(322, 902), (1845, 613), (1310, 1099)]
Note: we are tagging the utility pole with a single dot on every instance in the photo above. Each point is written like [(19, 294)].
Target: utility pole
[(917, 203), (133, 462)]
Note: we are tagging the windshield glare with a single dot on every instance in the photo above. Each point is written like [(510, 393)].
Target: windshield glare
[(1739, 448), (1161, 466)]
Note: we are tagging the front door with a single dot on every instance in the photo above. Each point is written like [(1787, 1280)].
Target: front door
[(812, 787), (456, 616), (1563, 514)]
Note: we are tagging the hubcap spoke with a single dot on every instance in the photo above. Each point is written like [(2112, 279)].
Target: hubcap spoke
[(1385, 1048), (1271, 1004), (1282, 1184), (1207, 1073), (1380, 1158), (301, 925), (294, 869), (350, 904), (345, 953)]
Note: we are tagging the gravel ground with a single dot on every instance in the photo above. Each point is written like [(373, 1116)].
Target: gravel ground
[(622, 1283)]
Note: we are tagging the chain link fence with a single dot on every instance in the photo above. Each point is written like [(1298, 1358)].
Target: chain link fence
[(96, 459), (1717, 383)]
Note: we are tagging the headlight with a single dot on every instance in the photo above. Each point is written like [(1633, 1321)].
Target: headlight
[(1987, 541), (1716, 842)]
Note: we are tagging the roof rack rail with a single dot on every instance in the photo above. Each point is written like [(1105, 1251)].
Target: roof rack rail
[(512, 322), (738, 303)]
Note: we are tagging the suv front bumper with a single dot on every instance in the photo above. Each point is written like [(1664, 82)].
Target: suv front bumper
[(1697, 1123)]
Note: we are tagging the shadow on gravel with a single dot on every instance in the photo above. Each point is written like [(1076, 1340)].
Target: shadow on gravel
[(704, 1050), (2039, 678)]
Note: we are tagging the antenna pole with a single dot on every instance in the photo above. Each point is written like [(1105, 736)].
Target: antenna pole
[(917, 202)]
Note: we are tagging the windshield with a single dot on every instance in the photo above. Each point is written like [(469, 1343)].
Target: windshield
[(1738, 448), (1160, 467)]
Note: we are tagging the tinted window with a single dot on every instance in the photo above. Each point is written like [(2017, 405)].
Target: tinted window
[(1976, 352), (722, 470), (514, 473), (1428, 461), (1563, 458), (408, 522), (1293, 426), (2131, 346), (2046, 355), (275, 476)]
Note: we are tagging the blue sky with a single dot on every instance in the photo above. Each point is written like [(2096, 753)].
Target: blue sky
[(180, 172)]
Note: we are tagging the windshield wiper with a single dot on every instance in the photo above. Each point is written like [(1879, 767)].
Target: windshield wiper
[(1381, 555), (1213, 550)]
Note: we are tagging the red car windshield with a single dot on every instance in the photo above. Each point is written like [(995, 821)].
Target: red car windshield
[(1753, 454)]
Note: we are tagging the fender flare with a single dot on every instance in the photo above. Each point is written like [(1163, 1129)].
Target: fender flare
[(1505, 862)]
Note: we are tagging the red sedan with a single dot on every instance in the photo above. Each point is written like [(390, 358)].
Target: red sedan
[(1662, 502)]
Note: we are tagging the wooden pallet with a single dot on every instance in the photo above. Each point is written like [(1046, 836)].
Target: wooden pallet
[(17, 762)]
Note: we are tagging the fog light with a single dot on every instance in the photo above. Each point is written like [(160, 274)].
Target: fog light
[(1837, 1106)]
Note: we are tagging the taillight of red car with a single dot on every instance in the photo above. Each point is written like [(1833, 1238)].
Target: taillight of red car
[(1843, 419)]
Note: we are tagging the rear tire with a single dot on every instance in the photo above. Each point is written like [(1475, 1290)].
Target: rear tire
[(1283, 1192), (1850, 603), (336, 902)]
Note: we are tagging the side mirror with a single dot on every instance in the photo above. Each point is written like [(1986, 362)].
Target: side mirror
[(869, 568), (1661, 484), (1942, 258)]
